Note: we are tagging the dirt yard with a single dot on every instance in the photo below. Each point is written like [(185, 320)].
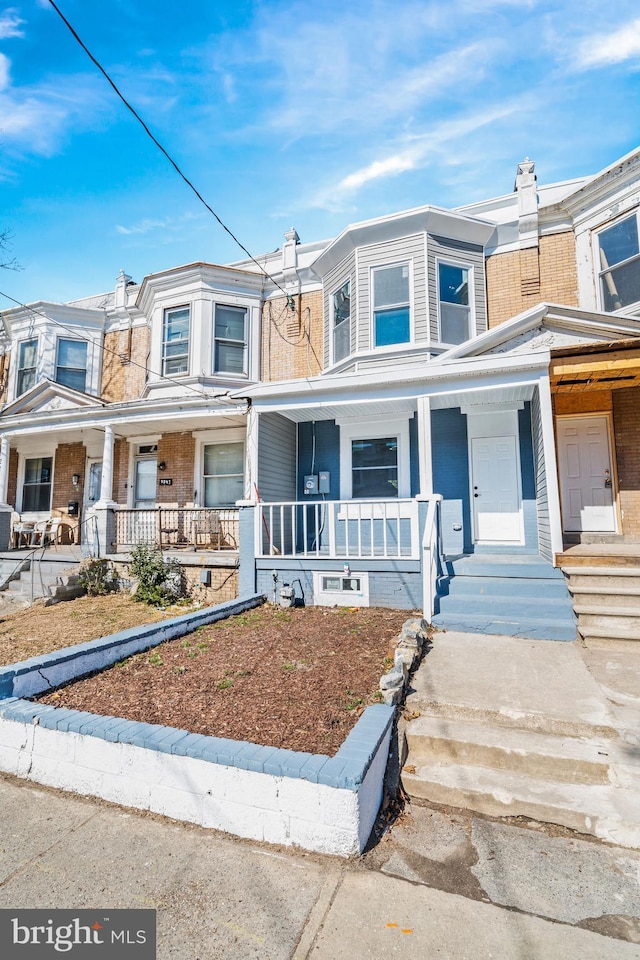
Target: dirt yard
[(40, 629), (295, 678)]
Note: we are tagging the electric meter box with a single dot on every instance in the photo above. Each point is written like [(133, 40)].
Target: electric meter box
[(311, 484)]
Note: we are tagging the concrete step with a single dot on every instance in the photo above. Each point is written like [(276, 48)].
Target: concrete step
[(493, 623), (611, 813), (517, 608), (629, 590), (503, 587), (613, 605), (600, 636), (565, 759), (592, 622), (619, 561)]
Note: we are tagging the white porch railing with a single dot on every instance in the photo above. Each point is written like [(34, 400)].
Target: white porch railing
[(338, 529), (431, 558), (177, 527)]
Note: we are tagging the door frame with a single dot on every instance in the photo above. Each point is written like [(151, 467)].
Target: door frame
[(608, 416), (513, 431)]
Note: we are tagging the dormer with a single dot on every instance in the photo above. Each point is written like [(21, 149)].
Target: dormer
[(205, 327), (407, 285)]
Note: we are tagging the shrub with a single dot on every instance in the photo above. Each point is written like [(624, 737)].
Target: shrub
[(160, 581), (98, 577)]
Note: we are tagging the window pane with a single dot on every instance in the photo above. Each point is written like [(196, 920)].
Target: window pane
[(391, 285), (454, 284), (175, 341), (391, 326), (378, 452), (619, 243), (72, 353), (381, 482), (26, 379), (77, 379), (223, 458), (454, 323), (223, 491), (38, 470), (229, 357), (36, 491), (230, 323), (175, 366), (622, 286), (342, 303), (341, 341), (28, 354)]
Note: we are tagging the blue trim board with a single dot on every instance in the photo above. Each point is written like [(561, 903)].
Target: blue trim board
[(346, 771)]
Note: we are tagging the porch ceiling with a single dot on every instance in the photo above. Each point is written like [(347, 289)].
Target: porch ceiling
[(361, 408), (512, 393), (606, 371)]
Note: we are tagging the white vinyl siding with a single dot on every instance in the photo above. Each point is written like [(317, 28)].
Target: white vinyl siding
[(406, 250)]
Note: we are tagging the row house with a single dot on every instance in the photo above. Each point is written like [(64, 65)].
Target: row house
[(393, 416)]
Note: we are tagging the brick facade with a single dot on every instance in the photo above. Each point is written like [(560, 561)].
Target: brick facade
[(292, 339), (12, 487), (124, 364), (177, 451), (521, 279)]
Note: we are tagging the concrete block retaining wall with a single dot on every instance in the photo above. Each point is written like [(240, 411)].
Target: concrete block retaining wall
[(320, 803)]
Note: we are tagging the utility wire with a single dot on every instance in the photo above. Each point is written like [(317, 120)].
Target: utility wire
[(165, 152), (115, 353)]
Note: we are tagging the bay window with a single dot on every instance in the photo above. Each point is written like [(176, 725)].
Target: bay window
[(619, 267), (391, 305), (175, 341), (230, 340), (71, 364), (27, 365), (453, 303), (341, 322)]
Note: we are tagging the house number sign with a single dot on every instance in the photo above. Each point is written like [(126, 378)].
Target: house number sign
[(165, 481)]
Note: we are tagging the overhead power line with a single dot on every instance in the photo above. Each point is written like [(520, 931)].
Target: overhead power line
[(165, 152)]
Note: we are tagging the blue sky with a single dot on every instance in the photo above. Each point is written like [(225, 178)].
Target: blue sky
[(287, 113)]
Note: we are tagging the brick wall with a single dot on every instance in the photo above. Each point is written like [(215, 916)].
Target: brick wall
[(12, 487), (626, 422), (121, 379), (120, 471), (69, 459), (178, 451), (4, 378), (524, 278), (292, 340)]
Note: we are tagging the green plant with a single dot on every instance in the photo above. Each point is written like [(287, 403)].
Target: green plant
[(224, 684), (98, 577), (160, 581), (156, 660)]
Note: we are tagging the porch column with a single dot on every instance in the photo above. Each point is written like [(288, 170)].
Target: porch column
[(5, 508), (106, 485), (251, 456), (102, 538), (550, 465), (424, 446)]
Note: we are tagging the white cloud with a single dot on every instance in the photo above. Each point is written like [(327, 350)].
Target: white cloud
[(168, 225), (5, 65), (10, 24), (604, 50)]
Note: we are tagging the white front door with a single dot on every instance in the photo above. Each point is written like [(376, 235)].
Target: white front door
[(145, 483), (586, 483), (495, 492)]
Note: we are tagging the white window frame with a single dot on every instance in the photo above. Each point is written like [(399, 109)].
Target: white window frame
[(165, 313), (46, 451), (461, 265), (204, 439), (334, 293), (383, 426), (25, 340), (60, 340), (600, 272), (340, 598), (372, 320), (230, 374)]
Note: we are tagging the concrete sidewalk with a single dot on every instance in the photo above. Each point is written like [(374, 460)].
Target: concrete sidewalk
[(223, 899)]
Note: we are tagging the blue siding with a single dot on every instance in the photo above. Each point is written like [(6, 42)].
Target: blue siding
[(413, 455), (450, 461), (327, 454)]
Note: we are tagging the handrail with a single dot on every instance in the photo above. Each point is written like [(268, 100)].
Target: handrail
[(431, 556)]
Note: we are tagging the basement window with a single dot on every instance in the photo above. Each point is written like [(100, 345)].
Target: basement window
[(341, 589)]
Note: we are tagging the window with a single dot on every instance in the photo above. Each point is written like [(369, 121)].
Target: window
[(27, 364), (175, 341), (620, 264), (230, 338), (36, 490), (336, 589), (223, 474), (71, 364), (374, 467), (455, 313), (391, 309), (341, 317)]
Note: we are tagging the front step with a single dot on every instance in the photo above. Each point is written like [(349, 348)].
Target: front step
[(607, 601), (607, 812), (538, 629)]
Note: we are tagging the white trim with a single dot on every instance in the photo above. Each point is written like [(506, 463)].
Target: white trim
[(598, 272), (547, 428), (332, 293), (425, 452), (207, 438), (491, 406), (165, 310), (341, 598), (47, 450), (366, 429), (246, 360), (607, 416)]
